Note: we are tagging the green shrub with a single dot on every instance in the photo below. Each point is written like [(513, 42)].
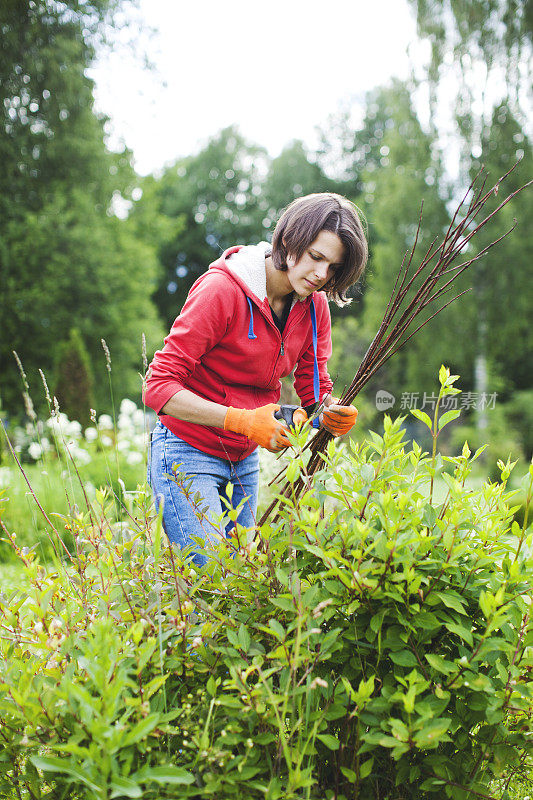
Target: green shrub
[(371, 643)]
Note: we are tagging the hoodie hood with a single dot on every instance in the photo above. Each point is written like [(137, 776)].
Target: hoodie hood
[(247, 264)]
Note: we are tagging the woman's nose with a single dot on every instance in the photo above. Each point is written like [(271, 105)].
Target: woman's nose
[(321, 270)]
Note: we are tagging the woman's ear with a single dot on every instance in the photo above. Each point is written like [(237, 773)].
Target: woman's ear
[(291, 260)]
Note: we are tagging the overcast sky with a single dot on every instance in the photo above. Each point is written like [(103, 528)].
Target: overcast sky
[(277, 69)]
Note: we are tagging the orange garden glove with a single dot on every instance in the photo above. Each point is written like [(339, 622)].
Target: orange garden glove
[(337, 419), (259, 425)]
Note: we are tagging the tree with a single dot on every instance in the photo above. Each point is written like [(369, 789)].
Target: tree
[(503, 277), (74, 379), (292, 174), (407, 173), (208, 201), (483, 48), (65, 258)]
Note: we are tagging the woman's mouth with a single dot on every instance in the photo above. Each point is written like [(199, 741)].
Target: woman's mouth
[(311, 284)]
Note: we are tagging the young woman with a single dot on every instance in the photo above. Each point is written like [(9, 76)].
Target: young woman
[(257, 314)]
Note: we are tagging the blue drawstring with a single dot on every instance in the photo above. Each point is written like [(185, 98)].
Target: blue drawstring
[(251, 334), (316, 377)]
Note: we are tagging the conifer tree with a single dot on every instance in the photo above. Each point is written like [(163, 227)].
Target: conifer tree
[(74, 381)]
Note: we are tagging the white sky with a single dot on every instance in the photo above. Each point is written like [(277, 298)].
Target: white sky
[(276, 69)]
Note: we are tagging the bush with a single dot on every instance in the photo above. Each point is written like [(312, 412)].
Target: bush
[(370, 643)]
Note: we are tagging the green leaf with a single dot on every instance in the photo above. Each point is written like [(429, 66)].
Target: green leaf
[(451, 601), (444, 374), (423, 417), (440, 664), (486, 603), (53, 764), (427, 621), (277, 628), (140, 730), (293, 470), (432, 733), (350, 774), (367, 473), (244, 638), (449, 416), (404, 658), (366, 768), (377, 620), (330, 741), (430, 516), (154, 685), (167, 774), (145, 652), (125, 787), (461, 631), (399, 730)]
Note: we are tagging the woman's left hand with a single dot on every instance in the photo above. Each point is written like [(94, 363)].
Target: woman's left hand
[(337, 419)]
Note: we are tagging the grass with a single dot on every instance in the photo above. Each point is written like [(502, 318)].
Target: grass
[(60, 494), (10, 577)]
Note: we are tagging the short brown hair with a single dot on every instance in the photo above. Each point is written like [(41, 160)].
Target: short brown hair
[(300, 224)]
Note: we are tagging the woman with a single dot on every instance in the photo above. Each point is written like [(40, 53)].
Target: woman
[(257, 313)]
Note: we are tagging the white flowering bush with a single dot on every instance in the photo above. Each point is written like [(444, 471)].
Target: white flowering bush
[(66, 466), (58, 436)]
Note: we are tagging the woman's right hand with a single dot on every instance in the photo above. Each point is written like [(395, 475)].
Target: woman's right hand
[(335, 418), (260, 425)]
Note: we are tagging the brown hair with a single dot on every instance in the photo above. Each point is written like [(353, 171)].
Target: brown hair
[(299, 226)]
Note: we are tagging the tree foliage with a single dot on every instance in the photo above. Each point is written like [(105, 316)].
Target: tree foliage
[(228, 193), (205, 203), (407, 176), (486, 46), (65, 258), (503, 277)]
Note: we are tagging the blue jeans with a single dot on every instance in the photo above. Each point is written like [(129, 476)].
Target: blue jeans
[(191, 484)]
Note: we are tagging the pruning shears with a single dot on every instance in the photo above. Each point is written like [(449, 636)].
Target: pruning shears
[(291, 415)]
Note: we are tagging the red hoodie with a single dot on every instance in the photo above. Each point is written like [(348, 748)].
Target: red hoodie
[(225, 347)]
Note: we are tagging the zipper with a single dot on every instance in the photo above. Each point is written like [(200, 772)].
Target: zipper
[(281, 351)]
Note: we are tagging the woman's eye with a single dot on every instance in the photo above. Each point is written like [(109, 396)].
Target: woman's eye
[(315, 258)]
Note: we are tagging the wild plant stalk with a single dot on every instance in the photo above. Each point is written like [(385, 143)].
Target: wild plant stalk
[(142, 375), (435, 274), (30, 412), (108, 367), (32, 416)]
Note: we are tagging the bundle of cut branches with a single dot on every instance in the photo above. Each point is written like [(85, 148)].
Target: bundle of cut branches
[(411, 296)]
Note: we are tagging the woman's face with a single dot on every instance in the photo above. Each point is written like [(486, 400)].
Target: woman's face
[(317, 265)]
